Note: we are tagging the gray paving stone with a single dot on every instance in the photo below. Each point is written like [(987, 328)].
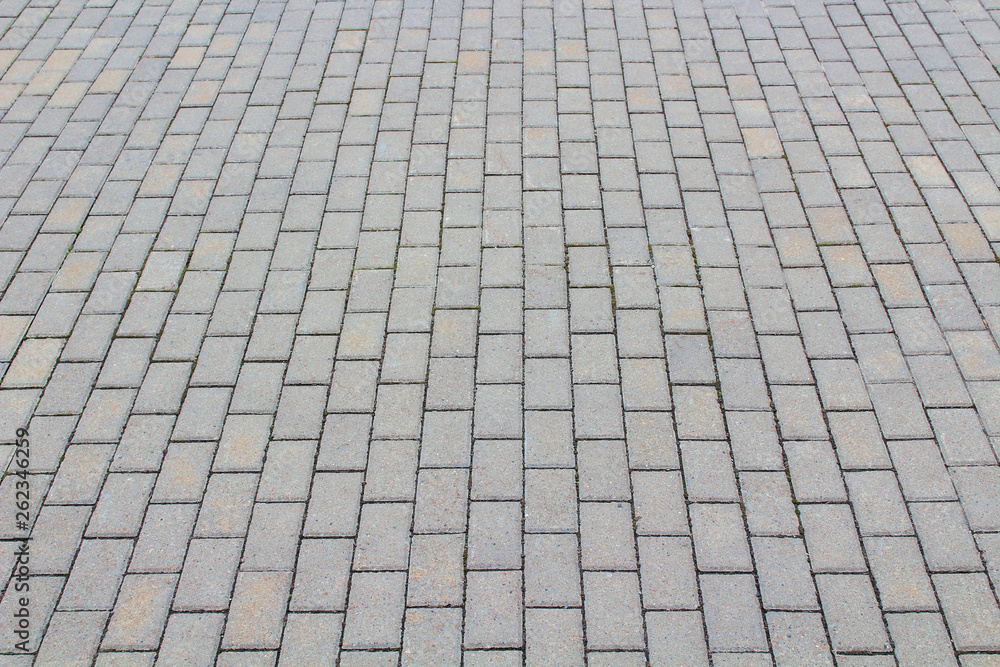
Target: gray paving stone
[(900, 415), (677, 637), (988, 546), (594, 359), (202, 414), (181, 338), (968, 610), (344, 443), (369, 658), (497, 470), (121, 505), (978, 493), (68, 389), (257, 611), (450, 383), (768, 504), (732, 613), (383, 539), (612, 610), (163, 540), (668, 573), (498, 411), (597, 411), (300, 412), (799, 413), (208, 575), (554, 634), (494, 536), (493, 610), (312, 360), (309, 638), (772, 311), (81, 474), (375, 610), (945, 537), (798, 638), (921, 471), (163, 388), (878, 504), (743, 386), (986, 404), (105, 415), (549, 502), (96, 575), (938, 381), (605, 541), (499, 359), (58, 530), (858, 440), (603, 471), (321, 575), (257, 388), (243, 443), (840, 385), (732, 333), (975, 353), (852, 613), (697, 413), (976, 659), (753, 438), (334, 505), (961, 438), (920, 637), (546, 333), (432, 636), (590, 310), (831, 538), (392, 471), (277, 551), (898, 570), (447, 439), (397, 411), (361, 336), (708, 475), (551, 570), (436, 570), (191, 637), (227, 505), (824, 335), (720, 538), (689, 360), (353, 386), (442, 500), (72, 636)]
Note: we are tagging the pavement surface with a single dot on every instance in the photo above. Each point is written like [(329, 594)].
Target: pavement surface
[(500, 333)]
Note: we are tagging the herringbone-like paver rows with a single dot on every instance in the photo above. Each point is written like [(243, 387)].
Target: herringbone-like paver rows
[(500, 333)]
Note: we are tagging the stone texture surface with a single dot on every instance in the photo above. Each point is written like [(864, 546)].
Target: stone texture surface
[(486, 332)]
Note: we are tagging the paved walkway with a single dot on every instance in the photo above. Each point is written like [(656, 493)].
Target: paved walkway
[(499, 333)]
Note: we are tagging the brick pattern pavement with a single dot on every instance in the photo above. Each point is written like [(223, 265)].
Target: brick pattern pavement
[(502, 333)]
